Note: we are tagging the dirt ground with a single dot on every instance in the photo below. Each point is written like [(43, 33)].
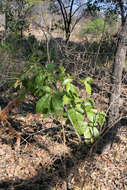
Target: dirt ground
[(47, 156)]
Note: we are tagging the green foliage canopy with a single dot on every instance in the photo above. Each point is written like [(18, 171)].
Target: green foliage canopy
[(97, 27), (59, 97)]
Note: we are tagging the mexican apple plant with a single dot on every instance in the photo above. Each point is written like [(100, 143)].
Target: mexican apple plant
[(58, 96)]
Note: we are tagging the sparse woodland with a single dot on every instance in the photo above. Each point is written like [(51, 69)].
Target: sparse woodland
[(63, 93)]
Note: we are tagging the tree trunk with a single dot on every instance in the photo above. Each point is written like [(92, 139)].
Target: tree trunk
[(67, 36), (116, 84), (117, 76)]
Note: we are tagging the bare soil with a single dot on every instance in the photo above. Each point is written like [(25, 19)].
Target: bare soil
[(49, 156)]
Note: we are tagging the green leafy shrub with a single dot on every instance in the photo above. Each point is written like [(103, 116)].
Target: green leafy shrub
[(59, 97), (97, 26), (16, 15)]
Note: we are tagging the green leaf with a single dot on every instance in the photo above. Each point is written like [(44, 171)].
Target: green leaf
[(66, 81), (47, 89), (50, 79), (57, 104), (83, 124), (87, 135), (77, 99), (62, 69), (90, 100), (82, 127), (76, 119), (40, 94), (90, 80), (88, 103), (88, 107), (43, 104), (101, 118), (39, 80), (87, 81), (66, 100), (71, 89), (94, 111), (88, 88), (75, 116), (94, 132), (79, 108), (91, 116)]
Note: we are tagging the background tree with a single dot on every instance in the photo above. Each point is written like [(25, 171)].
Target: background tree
[(118, 7), (119, 64), (71, 11), (16, 15)]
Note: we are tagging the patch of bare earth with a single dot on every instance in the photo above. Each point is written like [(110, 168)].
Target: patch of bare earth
[(49, 156), (35, 155), (107, 171)]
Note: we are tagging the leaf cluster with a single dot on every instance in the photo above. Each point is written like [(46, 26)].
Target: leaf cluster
[(57, 96)]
